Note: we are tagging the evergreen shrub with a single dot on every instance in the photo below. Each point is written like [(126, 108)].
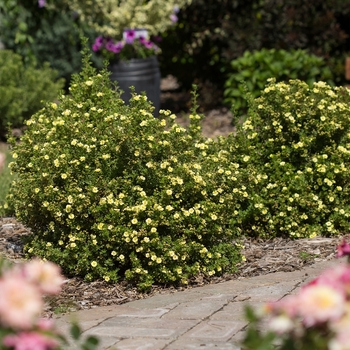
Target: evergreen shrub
[(22, 89), (296, 145), (111, 192), (254, 68)]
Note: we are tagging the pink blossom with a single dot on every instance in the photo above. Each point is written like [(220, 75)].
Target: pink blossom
[(30, 341), (46, 275), (320, 303), (337, 277), (20, 302), (41, 3), (343, 249), (341, 328)]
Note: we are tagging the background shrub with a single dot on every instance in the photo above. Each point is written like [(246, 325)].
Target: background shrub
[(296, 144), (112, 192), (22, 89), (251, 71), (212, 33), (42, 34)]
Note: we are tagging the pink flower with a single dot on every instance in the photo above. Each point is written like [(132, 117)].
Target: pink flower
[(46, 275), (30, 341), (320, 303), (20, 302), (341, 328), (343, 249), (41, 3), (337, 277)]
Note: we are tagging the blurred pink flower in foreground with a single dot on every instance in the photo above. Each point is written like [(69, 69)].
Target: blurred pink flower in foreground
[(318, 317), (30, 341), (20, 302), (343, 249), (320, 303), (46, 275)]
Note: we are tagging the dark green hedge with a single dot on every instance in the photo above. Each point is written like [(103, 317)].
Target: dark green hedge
[(211, 33)]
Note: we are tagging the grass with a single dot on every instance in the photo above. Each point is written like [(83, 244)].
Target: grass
[(5, 177)]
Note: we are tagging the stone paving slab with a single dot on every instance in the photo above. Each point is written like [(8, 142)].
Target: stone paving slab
[(207, 318)]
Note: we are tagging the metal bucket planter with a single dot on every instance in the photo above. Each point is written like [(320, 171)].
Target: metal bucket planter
[(143, 74)]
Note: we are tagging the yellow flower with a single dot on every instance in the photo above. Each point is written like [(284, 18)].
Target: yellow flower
[(113, 253), (148, 221), (63, 176), (93, 263), (134, 221), (95, 189)]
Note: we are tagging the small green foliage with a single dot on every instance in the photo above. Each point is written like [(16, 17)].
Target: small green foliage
[(23, 88), (295, 145), (112, 192), (251, 71), (305, 256)]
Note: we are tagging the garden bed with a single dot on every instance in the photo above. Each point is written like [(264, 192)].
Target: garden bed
[(262, 257)]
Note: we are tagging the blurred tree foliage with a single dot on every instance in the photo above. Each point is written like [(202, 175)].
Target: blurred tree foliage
[(42, 35), (211, 33)]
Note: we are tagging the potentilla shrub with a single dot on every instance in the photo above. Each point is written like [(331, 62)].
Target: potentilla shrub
[(296, 145), (112, 192)]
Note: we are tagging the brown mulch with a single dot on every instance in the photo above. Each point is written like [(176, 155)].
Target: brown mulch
[(262, 257)]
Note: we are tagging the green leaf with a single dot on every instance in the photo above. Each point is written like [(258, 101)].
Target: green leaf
[(75, 331)]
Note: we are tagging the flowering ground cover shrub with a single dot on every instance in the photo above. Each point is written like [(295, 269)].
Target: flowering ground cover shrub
[(112, 192), (296, 146), (22, 289), (316, 318)]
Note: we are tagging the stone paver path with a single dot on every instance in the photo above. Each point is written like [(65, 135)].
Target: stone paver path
[(206, 318)]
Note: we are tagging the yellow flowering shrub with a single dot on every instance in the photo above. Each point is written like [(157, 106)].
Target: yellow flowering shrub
[(296, 146), (110, 192)]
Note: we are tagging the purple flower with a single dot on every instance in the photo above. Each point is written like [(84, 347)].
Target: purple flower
[(173, 18), (176, 9), (148, 44), (97, 44), (41, 3), (130, 36), (156, 38), (112, 47)]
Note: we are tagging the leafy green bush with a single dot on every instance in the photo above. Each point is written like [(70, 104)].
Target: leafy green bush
[(254, 68), (296, 146), (5, 179), (45, 34), (112, 192), (22, 89)]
